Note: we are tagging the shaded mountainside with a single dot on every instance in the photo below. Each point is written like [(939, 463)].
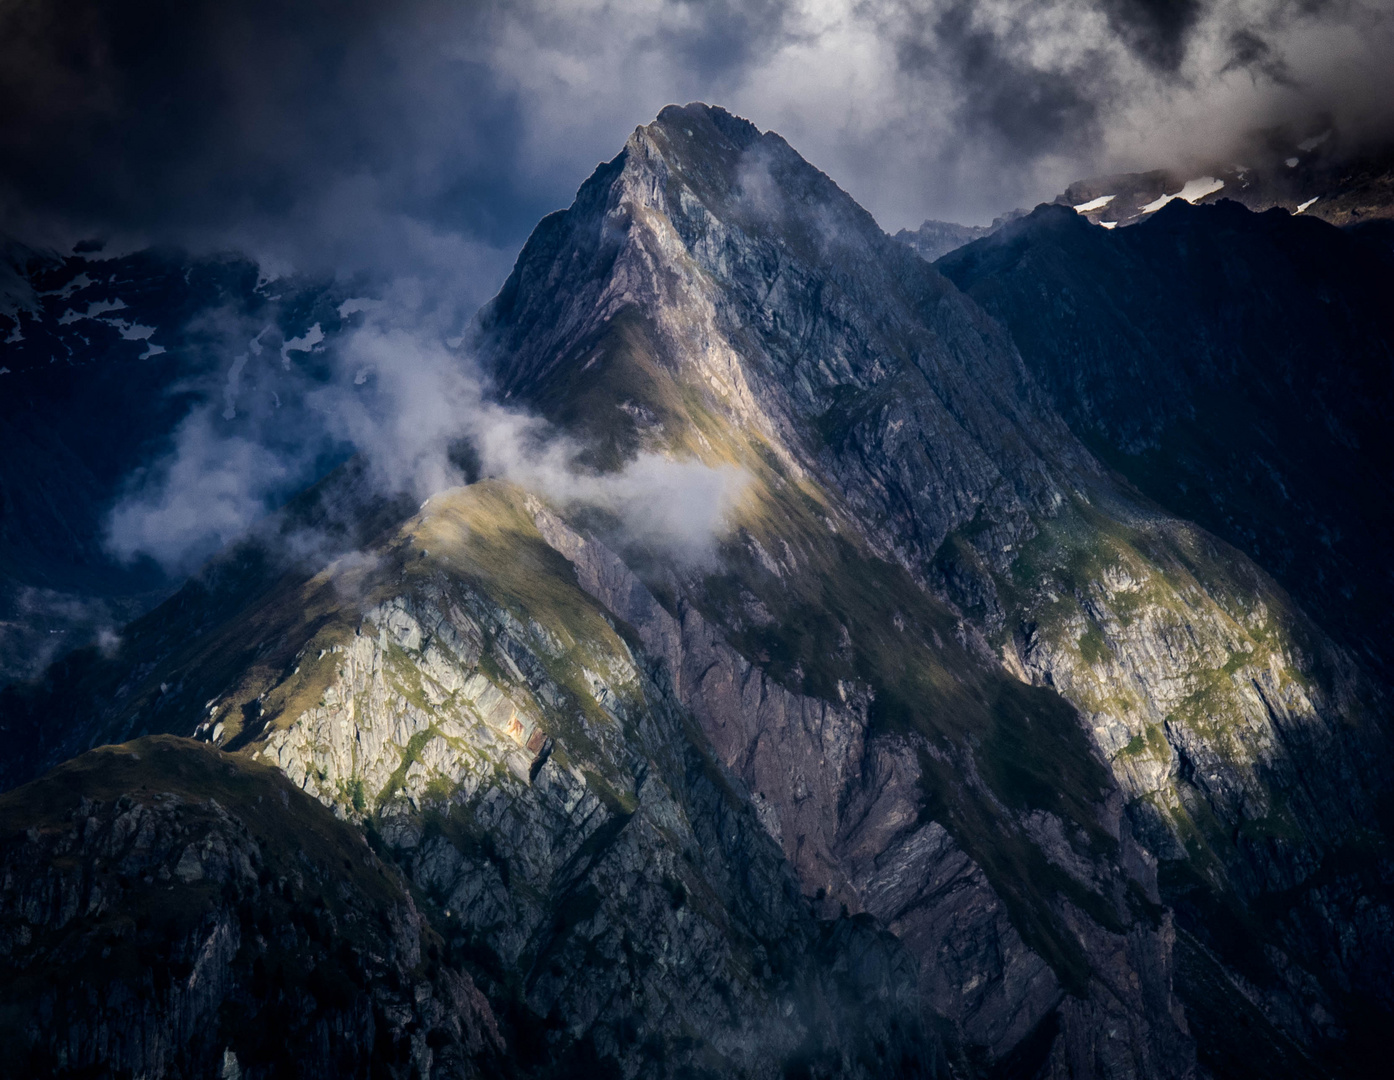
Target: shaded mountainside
[(101, 359), (1237, 368), (955, 756)]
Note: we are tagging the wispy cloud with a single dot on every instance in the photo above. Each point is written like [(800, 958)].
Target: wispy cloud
[(403, 398)]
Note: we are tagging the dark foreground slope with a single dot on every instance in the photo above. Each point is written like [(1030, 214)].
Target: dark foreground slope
[(950, 755), (170, 910), (558, 818)]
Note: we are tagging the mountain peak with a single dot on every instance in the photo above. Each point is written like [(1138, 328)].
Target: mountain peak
[(699, 203), (698, 119)]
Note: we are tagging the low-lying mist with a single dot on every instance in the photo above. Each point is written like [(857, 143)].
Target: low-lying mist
[(399, 387)]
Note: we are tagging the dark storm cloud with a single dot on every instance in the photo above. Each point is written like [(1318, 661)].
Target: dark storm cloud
[(1010, 102), (1250, 52), (1155, 30), (724, 36), (197, 117), (335, 129), (203, 119), (1031, 109)]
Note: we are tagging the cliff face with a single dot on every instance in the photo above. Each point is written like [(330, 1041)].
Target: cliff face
[(1236, 367), (536, 777), (953, 755), (574, 847)]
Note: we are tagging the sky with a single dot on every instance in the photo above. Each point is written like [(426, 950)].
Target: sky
[(415, 144), (432, 136)]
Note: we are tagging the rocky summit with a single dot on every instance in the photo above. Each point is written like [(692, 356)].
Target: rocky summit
[(1005, 724)]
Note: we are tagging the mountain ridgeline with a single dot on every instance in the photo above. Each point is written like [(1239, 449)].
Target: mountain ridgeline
[(1028, 716)]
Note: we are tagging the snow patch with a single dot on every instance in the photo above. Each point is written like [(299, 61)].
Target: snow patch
[(1291, 162), (94, 309), (304, 343), (234, 379), (151, 350), (1094, 204), (133, 331), (1109, 224), (356, 304), (4, 371), (15, 335), (76, 285), (1301, 207), (1308, 145), (101, 307), (1192, 192)]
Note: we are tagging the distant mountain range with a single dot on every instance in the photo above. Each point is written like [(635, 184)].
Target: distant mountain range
[(935, 238), (1320, 176), (1027, 714)]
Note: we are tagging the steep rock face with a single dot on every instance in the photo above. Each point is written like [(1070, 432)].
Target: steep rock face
[(1241, 379), (1202, 684), (235, 623), (720, 278), (540, 783), (167, 910), (572, 845), (849, 817), (1238, 368)]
